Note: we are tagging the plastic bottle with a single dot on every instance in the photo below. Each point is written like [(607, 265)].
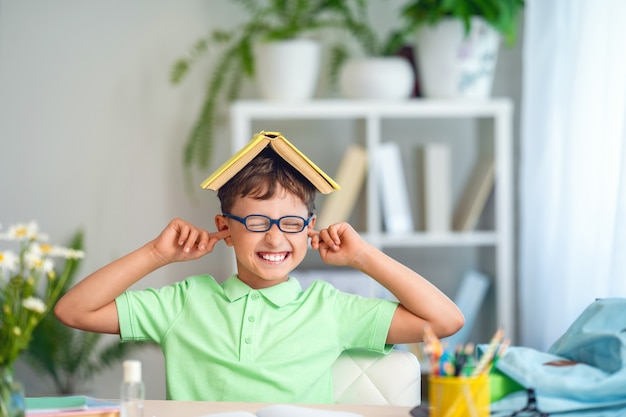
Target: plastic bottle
[(132, 391)]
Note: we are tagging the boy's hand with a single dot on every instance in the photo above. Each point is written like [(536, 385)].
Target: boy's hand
[(182, 241), (339, 244)]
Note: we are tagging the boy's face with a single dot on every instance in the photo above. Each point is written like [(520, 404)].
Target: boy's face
[(265, 259)]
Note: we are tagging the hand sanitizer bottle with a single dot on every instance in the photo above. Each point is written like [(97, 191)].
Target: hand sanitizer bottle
[(132, 391)]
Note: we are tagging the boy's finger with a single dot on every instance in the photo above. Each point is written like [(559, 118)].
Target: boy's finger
[(222, 234), (183, 234), (192, 238)]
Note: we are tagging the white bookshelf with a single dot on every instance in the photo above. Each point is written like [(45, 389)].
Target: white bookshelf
[(373, 113)]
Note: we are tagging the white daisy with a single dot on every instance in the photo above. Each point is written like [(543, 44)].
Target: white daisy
[(34, 304), (34, 261), (8, 261), (23, 231)]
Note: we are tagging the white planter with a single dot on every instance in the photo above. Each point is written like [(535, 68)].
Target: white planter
[(287, 70), (386, 78), (451, 64)]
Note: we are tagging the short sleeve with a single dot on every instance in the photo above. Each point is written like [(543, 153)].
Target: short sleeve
[(148, 314), (361, 322)]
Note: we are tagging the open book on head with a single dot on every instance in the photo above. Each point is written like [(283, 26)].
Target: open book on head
[(286, 410), (322, 182)]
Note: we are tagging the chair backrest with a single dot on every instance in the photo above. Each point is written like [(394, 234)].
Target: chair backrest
[(364, 377)]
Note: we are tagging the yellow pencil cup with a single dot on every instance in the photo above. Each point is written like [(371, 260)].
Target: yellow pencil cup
[(458, 396)]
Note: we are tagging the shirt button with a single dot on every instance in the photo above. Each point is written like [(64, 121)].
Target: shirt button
[(255, 296), (248, 340), (250, 318)]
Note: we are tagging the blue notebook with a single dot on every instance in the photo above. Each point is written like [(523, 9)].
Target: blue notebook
[(43, 405)]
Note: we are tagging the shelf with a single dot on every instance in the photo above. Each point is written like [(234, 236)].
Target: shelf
[(430, 239), (340, 109), (499, 111)]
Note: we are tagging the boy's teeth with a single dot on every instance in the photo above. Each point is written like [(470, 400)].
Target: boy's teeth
[(273, 258)]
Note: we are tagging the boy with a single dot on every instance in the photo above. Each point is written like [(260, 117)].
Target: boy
[(257, 336)]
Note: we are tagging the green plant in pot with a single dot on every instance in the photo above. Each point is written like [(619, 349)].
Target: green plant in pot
[(463, 33), (235, 59), (381, 68), (502, 15), (70, 357)]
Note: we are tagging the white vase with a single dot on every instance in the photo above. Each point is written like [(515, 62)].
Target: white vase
[(385, 78), (287, 70), (452, 64)]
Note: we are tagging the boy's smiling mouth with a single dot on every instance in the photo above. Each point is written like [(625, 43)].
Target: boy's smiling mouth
[(273, 256)]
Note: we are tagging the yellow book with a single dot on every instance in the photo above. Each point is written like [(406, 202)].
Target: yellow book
[(282, 147), (351, 173), (475, 197)]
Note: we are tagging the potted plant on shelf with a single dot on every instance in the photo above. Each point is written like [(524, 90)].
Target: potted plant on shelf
[(457, 43), (381, 72), (242, 49)]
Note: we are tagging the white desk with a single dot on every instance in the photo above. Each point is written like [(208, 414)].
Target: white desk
[(162, 408)]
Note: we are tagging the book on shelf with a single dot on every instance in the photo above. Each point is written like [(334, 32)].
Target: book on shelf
[(473, 200), (285, 149), (437, 187), (286, 410), (392, 185), (70, 406), (351, 175), (469, 298)]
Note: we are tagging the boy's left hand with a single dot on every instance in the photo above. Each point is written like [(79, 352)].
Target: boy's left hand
[(339, 244)]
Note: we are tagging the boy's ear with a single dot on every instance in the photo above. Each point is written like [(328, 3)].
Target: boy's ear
[(221, 223), (312, 222)]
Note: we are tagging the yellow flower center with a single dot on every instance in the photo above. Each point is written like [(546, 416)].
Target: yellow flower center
[(46, 249)]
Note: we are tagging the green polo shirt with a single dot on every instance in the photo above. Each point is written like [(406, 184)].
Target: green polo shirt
[(229, 342)]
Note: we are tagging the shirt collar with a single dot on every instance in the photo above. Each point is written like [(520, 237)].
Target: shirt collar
[(279, 295)]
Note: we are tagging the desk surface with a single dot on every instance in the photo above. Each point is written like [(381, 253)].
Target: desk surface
[(162, 408)]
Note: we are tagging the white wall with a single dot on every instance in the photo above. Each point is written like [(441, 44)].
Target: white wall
[(91, 131)]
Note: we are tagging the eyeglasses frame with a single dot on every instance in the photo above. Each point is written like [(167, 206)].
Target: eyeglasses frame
[(276, 222)]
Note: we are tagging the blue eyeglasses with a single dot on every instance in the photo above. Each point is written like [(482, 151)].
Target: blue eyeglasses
[(261, 223)]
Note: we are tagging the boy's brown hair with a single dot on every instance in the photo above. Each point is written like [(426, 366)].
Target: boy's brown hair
[(260, 179)]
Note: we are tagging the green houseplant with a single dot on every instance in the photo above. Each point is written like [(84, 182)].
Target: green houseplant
[(68, 356), (502, 15), (457, 43), (269, 20)]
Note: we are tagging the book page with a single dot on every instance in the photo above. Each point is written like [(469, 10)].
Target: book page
[(286, 410), (235, 163), (304, 165)]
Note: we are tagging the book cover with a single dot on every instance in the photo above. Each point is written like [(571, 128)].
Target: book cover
[(351, 175), (475, 197), (393, 188), (437, 187), (322, 182), (469, 298)]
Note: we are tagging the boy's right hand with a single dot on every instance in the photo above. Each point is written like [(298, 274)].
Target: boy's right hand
[(182, 241)]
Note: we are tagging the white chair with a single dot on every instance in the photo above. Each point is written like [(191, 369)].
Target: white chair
[(365, 377)]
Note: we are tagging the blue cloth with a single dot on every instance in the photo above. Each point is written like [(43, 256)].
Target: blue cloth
[(588, 371)]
